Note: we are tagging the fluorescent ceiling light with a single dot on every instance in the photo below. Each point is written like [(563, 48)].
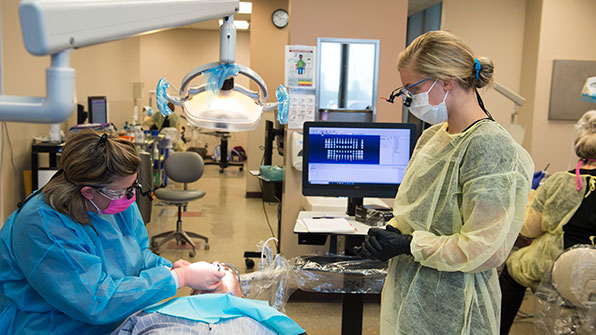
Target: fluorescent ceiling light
[(245, 7), (240, 24)]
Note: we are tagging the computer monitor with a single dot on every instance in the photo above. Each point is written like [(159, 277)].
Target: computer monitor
[(355, 159), (98, 112)]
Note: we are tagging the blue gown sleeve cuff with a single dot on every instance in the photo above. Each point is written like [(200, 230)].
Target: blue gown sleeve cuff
[(176, 280)]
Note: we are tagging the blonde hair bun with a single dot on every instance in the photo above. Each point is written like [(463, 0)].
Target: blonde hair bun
[(442, 55), (485, 74)]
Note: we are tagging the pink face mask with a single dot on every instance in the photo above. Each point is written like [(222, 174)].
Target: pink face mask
[(116, 205)]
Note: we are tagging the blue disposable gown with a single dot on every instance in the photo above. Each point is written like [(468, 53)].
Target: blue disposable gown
[(60, 277)]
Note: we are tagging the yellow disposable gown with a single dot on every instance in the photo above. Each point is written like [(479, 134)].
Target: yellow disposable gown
[(553, 206), (463, 199), (157, 120)]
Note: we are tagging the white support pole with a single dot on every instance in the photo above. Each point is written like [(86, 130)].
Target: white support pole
[(227, 44), (58, 104)]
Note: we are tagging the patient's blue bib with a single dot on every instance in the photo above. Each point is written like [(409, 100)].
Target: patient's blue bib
[(216, 307)]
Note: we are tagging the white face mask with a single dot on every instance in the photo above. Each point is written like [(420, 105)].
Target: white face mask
[(422, 109)]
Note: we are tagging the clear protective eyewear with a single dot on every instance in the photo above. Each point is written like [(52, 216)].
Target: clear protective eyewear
[(114, 195), (405, 93)]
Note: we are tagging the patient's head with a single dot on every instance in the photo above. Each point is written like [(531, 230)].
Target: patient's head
[(229, 283), (585, 142)]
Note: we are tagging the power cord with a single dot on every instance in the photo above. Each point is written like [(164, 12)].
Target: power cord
[(267, 217), (14, 168), (263, 199)]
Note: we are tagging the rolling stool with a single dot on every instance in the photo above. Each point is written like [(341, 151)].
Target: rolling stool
[(182, 167)]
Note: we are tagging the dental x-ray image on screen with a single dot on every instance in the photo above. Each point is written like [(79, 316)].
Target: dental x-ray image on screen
[(355, 159)]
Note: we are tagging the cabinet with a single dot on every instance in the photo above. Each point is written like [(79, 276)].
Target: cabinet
[(40, 175)]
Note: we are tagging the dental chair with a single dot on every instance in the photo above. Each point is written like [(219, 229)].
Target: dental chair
[(181, 167), (565, 300)]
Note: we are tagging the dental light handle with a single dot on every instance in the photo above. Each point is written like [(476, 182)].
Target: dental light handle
[(184, 87)]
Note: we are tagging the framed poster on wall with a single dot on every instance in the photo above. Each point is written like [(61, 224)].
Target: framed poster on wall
[(569, 77), (300, 64)]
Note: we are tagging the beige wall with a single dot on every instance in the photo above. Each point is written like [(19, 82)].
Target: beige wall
[(267, 59), (23, 74), (564, 34), (529, 67), (522, 38), (481, 26), (384, 20), (108, 69), (536, 33)]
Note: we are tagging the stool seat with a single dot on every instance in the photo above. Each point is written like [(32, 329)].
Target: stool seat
[(169, 195)]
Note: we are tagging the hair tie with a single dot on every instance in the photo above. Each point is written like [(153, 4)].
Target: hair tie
[(579, 183), (102, 140), (477, 68)]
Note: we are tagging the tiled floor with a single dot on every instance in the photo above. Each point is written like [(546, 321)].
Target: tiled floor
[(234, 224)]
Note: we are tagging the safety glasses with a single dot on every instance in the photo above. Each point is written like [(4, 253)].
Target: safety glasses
[(113, 195), (405, 93)]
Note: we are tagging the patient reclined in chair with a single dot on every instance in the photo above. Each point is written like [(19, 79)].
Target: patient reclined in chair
[(219, 312)]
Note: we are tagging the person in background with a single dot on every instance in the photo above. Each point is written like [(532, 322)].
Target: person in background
[(75, 258), (173, 121), (461, 203), (562, 214)]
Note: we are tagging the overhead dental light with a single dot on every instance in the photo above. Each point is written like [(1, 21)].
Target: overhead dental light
[(220, 104), (230, 110)]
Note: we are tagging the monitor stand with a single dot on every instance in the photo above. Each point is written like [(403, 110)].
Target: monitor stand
[(352, 202)]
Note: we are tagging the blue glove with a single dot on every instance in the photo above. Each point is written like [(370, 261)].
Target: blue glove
[(537, 178), (384, 244)]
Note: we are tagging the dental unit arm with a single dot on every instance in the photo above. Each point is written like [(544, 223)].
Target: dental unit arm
[(516, 98), (55, 27)]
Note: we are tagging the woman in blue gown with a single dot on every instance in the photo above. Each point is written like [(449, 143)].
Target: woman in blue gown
[(75, 258)]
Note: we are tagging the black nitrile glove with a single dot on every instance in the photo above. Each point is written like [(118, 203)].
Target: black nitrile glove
[(384, 244)]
